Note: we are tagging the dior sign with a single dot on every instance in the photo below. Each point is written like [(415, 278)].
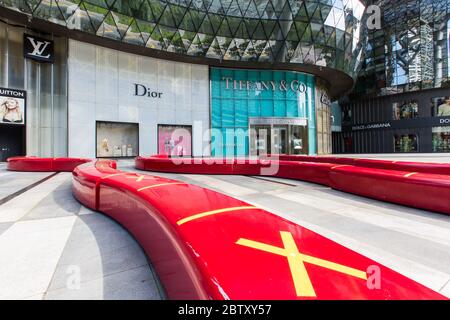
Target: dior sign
[(264, 85), (38, 49), (143, 91)]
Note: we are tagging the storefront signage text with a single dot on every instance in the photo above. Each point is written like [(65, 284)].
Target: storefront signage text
[(271, 85), (37, 48), (142, 91), (372, 126), (279, 121), (12, 106)]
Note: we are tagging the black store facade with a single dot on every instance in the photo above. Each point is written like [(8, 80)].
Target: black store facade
[(413, 122), (33, 92)]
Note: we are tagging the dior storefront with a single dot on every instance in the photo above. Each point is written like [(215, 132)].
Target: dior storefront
[(123, 105)]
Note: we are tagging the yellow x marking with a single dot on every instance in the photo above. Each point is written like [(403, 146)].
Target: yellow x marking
[(213, 212), (160, 185), (113, 175), (139, 177), (300, 277)]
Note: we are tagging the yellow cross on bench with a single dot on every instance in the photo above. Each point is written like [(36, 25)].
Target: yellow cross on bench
[(296, 259), (139, 177)]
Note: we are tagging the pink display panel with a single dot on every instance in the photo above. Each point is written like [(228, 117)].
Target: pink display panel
[(175, 140)]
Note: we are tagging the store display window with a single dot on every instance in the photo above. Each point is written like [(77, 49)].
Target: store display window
[(405, 110), (175, 140), (441, 139), (406, 143), (441, 106), (117, 139)]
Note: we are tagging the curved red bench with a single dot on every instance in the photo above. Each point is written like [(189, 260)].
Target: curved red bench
[(412, 184), (44, 164), (206, 245)]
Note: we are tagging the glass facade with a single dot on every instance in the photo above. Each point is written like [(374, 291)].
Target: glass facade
[(319, 32), (401, 94), (411, 50), (238, 95), (46, 88)]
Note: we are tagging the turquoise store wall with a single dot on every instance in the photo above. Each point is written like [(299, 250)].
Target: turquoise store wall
[(232, 107)]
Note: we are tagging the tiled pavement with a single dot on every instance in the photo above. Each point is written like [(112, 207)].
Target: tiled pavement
[(51, 247), (49, 241)]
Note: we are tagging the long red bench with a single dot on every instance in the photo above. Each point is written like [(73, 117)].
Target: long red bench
[(415, 189), (206, 245), (44, 164), (391, 182), (423, 167)]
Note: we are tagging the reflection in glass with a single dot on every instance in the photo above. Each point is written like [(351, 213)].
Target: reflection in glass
[(325, 33)]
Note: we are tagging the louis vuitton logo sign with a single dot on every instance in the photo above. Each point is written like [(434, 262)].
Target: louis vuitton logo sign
[(38, 48)]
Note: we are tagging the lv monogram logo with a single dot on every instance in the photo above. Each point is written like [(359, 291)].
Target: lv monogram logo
[(39, 48)]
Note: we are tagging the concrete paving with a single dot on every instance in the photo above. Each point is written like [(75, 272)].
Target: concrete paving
[(414, 242), (51, 247)]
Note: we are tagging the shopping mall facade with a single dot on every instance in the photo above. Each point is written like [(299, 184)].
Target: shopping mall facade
[(105, 78)]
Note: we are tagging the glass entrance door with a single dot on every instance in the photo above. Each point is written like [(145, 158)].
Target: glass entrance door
[(280, 139), (260, 140)]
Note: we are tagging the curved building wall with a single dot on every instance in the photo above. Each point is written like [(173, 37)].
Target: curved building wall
[(325, 33), (141, 69)]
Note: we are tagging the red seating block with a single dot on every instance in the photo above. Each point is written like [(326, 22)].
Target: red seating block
[(44, 164)]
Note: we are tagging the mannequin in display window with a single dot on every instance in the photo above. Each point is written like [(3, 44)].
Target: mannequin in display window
[(105, 145), (444, 108), (10, 111), (179, 147)]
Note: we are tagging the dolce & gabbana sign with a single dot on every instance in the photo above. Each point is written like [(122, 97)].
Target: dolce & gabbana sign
[(372, 126), (264, 85)]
